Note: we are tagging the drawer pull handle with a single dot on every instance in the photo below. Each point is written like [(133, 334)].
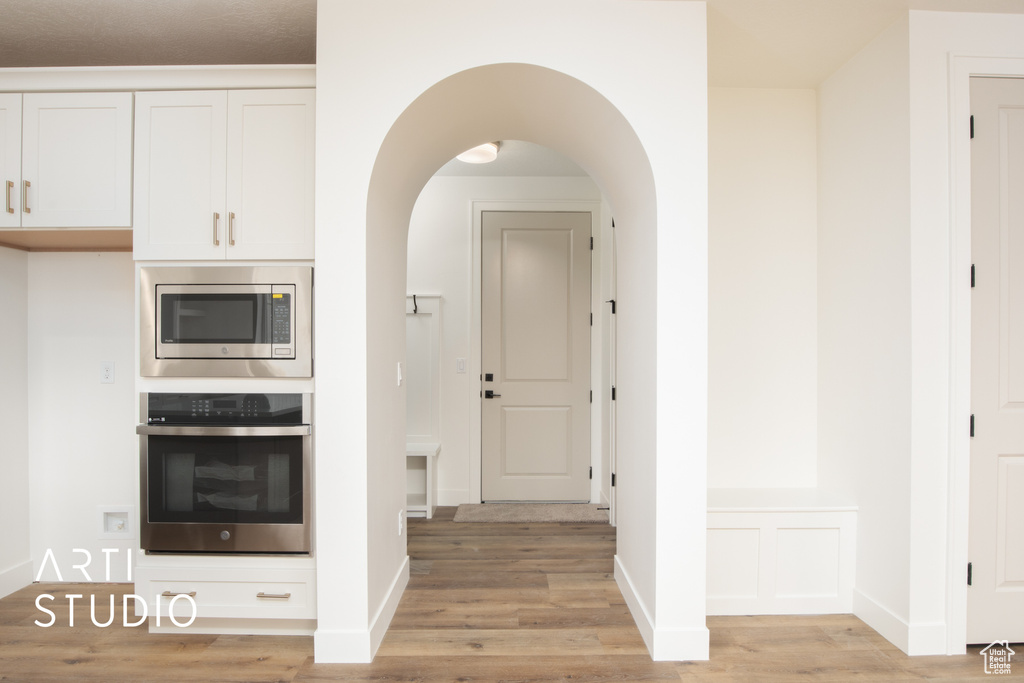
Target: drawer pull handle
[(276, 596), (169, 594)]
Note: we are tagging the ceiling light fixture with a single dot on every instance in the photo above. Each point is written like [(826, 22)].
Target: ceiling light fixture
[(481, 154)]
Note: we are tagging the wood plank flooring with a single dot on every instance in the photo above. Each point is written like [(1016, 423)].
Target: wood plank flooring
[(485, 602)]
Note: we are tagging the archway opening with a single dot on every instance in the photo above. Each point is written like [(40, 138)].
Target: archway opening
[(549, 108)]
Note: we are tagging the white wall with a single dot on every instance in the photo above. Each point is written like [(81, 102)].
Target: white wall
[(762, 260), (944, 47), (622, 89), (864, 316), (440, 262), (82, 440), (15, 561)]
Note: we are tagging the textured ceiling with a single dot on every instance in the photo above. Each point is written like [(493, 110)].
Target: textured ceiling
[(156, 32), (751, 43)]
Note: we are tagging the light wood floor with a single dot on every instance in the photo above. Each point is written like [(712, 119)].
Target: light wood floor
[(486, 602)]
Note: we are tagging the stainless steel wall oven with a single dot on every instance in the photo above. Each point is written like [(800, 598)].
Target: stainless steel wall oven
[(225, 473)]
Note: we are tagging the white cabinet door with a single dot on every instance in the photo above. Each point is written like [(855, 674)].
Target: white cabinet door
[(10, 159), (180, 148), (76, 160), (270, 175)]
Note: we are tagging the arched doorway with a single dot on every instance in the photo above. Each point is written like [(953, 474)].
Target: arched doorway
[(360, 472)]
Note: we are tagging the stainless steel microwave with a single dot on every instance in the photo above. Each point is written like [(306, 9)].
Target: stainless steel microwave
[(226, 321)]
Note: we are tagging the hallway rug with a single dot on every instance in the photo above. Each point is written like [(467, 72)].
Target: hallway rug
[(518, 513)]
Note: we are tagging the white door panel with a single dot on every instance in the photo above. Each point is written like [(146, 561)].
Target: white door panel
[(77, 159), (995, 609), (536, 349)]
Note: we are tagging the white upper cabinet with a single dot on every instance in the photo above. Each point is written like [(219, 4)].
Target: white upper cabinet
[(75, 160), (10, 159), (224, 174)]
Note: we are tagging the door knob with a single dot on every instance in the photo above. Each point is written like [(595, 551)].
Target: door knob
[(490, 394)]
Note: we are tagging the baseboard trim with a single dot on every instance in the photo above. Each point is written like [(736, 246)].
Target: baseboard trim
[(359, 646), (341, 646), (382, 619), (664, 644), (877, 616), (15, 578), (636, 606)]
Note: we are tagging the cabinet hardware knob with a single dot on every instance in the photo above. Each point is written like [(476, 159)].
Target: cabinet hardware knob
[(169, 594), (231, 228), (10, 186), (24, 196), (277, 596), (216, 229)]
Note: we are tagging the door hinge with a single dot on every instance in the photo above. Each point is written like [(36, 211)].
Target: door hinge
[(972, 425), (972, 276), (613, 222), (591, 473), (970, 573), (591, 319), (591, 395), (972, 126), (613, 393), (613, 479), (612, 302), (591, 244)]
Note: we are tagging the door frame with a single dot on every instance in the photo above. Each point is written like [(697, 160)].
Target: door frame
[(963, 68), (599, 275)]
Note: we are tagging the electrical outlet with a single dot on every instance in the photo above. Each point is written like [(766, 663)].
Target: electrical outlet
[(401, 522), (107, 372), (399, 373), (460, 366)]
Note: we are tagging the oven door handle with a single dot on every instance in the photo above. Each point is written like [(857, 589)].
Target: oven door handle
[(185, 430)]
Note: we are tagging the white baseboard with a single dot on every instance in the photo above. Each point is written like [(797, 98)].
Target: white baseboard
[(928, 639), (382, 619), (877, 616), (914, 639), (453, 497), (636, 606), (360, 646), (15, 578), (342, 647), (664, 644)]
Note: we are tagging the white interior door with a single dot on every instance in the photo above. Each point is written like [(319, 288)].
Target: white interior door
[(995, 606), (535, 431)]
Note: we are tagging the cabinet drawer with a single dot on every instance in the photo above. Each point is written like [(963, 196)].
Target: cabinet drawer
[(256, 599)]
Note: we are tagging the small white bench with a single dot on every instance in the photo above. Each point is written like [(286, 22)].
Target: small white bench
[(421, 478), (780, 551)]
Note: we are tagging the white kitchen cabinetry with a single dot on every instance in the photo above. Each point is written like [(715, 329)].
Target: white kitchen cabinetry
[(66, 160), (224, 174), (265, 595)]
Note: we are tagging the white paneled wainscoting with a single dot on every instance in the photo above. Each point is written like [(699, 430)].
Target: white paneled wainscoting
[(780, 551)]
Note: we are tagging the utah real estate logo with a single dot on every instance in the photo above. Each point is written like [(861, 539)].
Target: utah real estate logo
[(997, 657)]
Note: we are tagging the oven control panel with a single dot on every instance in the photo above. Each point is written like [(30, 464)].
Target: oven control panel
[(223, 409)]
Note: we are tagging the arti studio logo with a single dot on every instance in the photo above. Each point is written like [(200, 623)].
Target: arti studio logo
[(142, 608), (997, 657)]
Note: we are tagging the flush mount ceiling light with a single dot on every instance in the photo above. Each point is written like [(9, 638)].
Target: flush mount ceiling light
[(481, 154)]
